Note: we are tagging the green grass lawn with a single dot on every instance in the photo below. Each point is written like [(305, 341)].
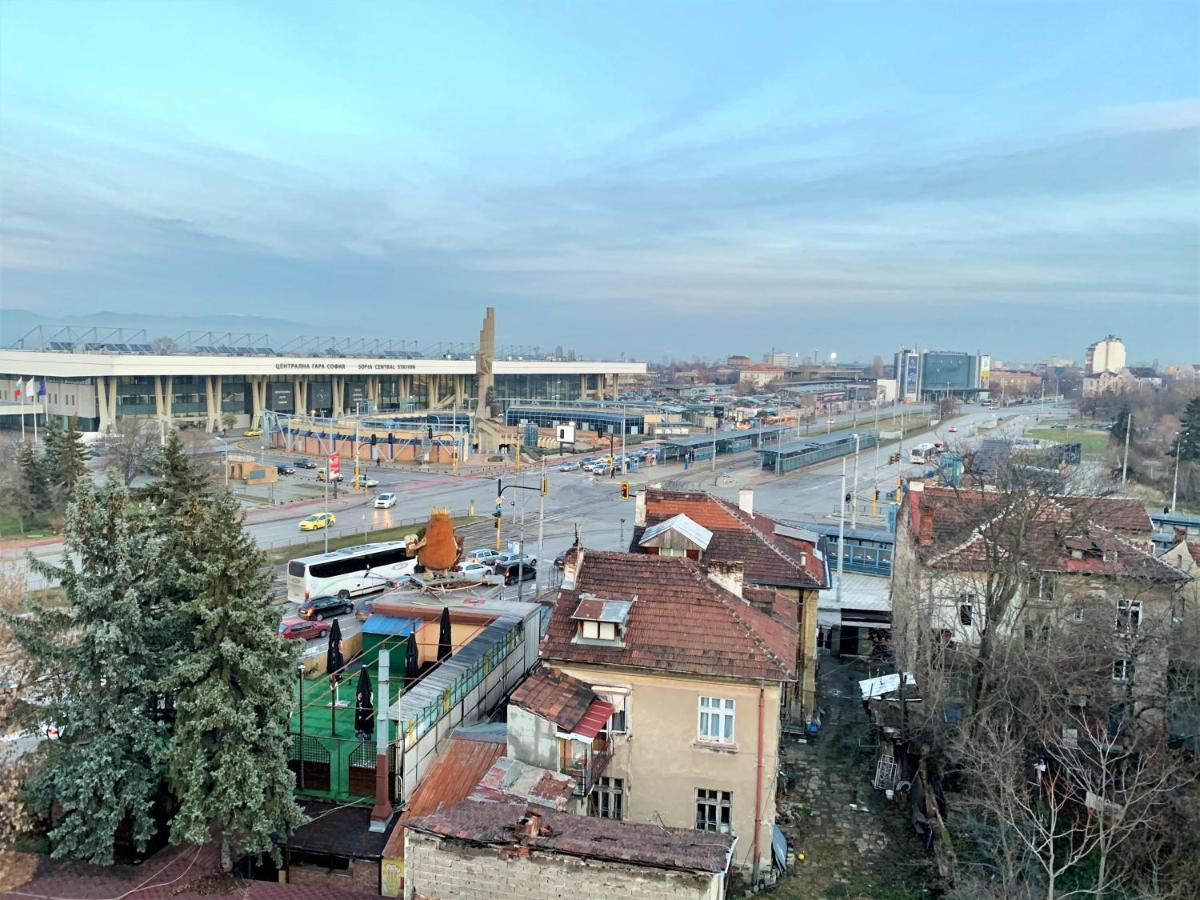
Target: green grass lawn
[(311, 546), (10, 525), (1095, 443)]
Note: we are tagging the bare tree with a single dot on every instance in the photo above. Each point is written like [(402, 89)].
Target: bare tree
[(129, 447), (163, 344)]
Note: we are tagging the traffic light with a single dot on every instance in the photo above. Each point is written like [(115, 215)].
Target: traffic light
[(624, 490), (374, 438), (545, 485), (499, 505)]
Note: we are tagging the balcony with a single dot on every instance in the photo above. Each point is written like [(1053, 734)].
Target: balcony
[(588, 762)]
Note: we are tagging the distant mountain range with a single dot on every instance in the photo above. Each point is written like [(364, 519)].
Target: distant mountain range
[(16, 323)]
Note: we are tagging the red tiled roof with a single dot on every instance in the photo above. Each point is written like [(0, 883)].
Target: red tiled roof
[(960, 530), (738, 536), (585, 836), (594, 719), (555, 696), (681, 623), (449, 780)]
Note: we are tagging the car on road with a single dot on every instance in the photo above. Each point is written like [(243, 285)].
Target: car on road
[(295, 629), (569, 467), (506, 559), (285, 470), (517, 571), (317, 520), (362, 481), (322, 608), (473, 568), (305, 464), (385, 501), (252, 432), (952, 429), (483, 555)]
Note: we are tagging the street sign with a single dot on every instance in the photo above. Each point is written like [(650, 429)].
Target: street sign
[(335, 467)]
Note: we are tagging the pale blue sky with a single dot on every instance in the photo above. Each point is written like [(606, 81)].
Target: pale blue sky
[(647, 177)]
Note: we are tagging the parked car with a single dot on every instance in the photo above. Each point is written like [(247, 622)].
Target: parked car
[(294, 629), (305, 464), (317, 520), (483, 555), (385, 501), (285, 470), (362, 481), (252, 432), (569, 467), (322, 608), (517, 571)]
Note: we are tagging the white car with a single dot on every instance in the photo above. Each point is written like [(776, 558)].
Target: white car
[(385, 501), (473, 569)]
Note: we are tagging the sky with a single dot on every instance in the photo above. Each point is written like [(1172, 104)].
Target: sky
[(649, 178)]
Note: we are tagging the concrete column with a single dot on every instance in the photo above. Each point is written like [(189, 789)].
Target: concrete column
[(102, 405), (256, 399), (373, 390), (616, 387), (217, 388), (159, 408), (169, 396), (583, 387), (460, 390), (209, 406), (339, 394), (299, 401)]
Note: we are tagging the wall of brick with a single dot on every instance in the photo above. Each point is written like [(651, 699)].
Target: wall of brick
[(450, 869), (363, 875)]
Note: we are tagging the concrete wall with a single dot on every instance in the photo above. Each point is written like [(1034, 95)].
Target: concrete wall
[(436, 867), (531, 739), (663, 763)]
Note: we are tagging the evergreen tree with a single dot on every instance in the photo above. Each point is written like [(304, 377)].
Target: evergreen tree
[(1189, 431), (106, 767), (233, 693), (33, 473), (65, 460), (1121, 423)]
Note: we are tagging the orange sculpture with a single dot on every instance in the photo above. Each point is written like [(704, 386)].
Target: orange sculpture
[(440, 549)]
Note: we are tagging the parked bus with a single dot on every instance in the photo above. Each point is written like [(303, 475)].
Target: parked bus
[(349, 571)]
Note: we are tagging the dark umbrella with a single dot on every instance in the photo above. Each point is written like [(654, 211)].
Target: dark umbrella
[(411, 665), (444, 645), (333, 667), (364, 708)]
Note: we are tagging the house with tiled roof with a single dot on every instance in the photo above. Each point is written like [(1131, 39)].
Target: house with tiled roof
[(695, 663), (1078, 570), (773, 556)]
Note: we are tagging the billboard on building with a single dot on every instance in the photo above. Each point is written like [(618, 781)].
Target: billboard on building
[(281, 397), (320, 395), (912, 375), (985, 371), (947, 371)]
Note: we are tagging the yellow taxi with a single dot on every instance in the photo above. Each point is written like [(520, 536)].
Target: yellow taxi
[(253, 432), (317, 520)]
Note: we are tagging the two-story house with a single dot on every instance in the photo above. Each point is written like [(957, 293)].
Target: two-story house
[(773, 555), (1074, 570), (695, 665)]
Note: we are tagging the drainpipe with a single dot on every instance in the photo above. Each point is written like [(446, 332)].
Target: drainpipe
[(758, 781)]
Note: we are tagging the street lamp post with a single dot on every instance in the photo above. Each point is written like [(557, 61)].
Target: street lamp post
[(1175, 483), (854, 496)]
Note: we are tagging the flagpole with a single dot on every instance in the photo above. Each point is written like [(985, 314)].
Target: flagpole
[(22, 393)]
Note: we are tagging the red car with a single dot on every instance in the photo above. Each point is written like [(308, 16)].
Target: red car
[(302, 629)]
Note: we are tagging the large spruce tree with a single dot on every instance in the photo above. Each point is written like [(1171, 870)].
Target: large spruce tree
[(65, 460), (232, 687), (33, 473), (102, 678), (1189, 431)]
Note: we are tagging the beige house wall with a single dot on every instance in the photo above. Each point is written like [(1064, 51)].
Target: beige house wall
[(662, 762)]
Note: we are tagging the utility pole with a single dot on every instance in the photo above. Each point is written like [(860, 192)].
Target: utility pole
[(328, 475), (1125, 459), (854, 504), (877, 441), (714, 447), (841, 534), (537, 580), (623, 464), (1175, 485)]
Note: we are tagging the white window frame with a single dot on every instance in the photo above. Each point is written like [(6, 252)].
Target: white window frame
[(1122, 669), (612, 790), (617, 696), (719, 712), (714, 801), (1129, 616)]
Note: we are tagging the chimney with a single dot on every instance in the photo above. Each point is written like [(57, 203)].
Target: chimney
[(915, 490), (746, 501), (572, 563), (729, 575), (381, 813), (639, 511), (533, 824)]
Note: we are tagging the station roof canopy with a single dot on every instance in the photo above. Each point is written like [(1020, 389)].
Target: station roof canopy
[(811, 443), (705, 440)]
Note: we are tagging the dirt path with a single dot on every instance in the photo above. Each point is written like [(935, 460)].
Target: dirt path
[(855, 844)]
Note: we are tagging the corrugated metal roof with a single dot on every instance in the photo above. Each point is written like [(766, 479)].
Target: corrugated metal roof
[(693, 531), (594, 719), (390, 625)]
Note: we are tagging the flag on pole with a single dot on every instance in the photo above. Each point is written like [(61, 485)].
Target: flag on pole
[(31, 387), (42, 387)]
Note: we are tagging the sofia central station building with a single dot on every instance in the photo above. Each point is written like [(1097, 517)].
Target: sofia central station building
[(202, 385)]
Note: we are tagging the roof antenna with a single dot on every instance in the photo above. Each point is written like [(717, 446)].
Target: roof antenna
[(576, 544)]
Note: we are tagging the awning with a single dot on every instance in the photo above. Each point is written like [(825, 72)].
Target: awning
[(594, 720)]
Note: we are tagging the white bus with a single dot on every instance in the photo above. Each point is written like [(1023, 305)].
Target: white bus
[(349, 571), (923, 453)]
